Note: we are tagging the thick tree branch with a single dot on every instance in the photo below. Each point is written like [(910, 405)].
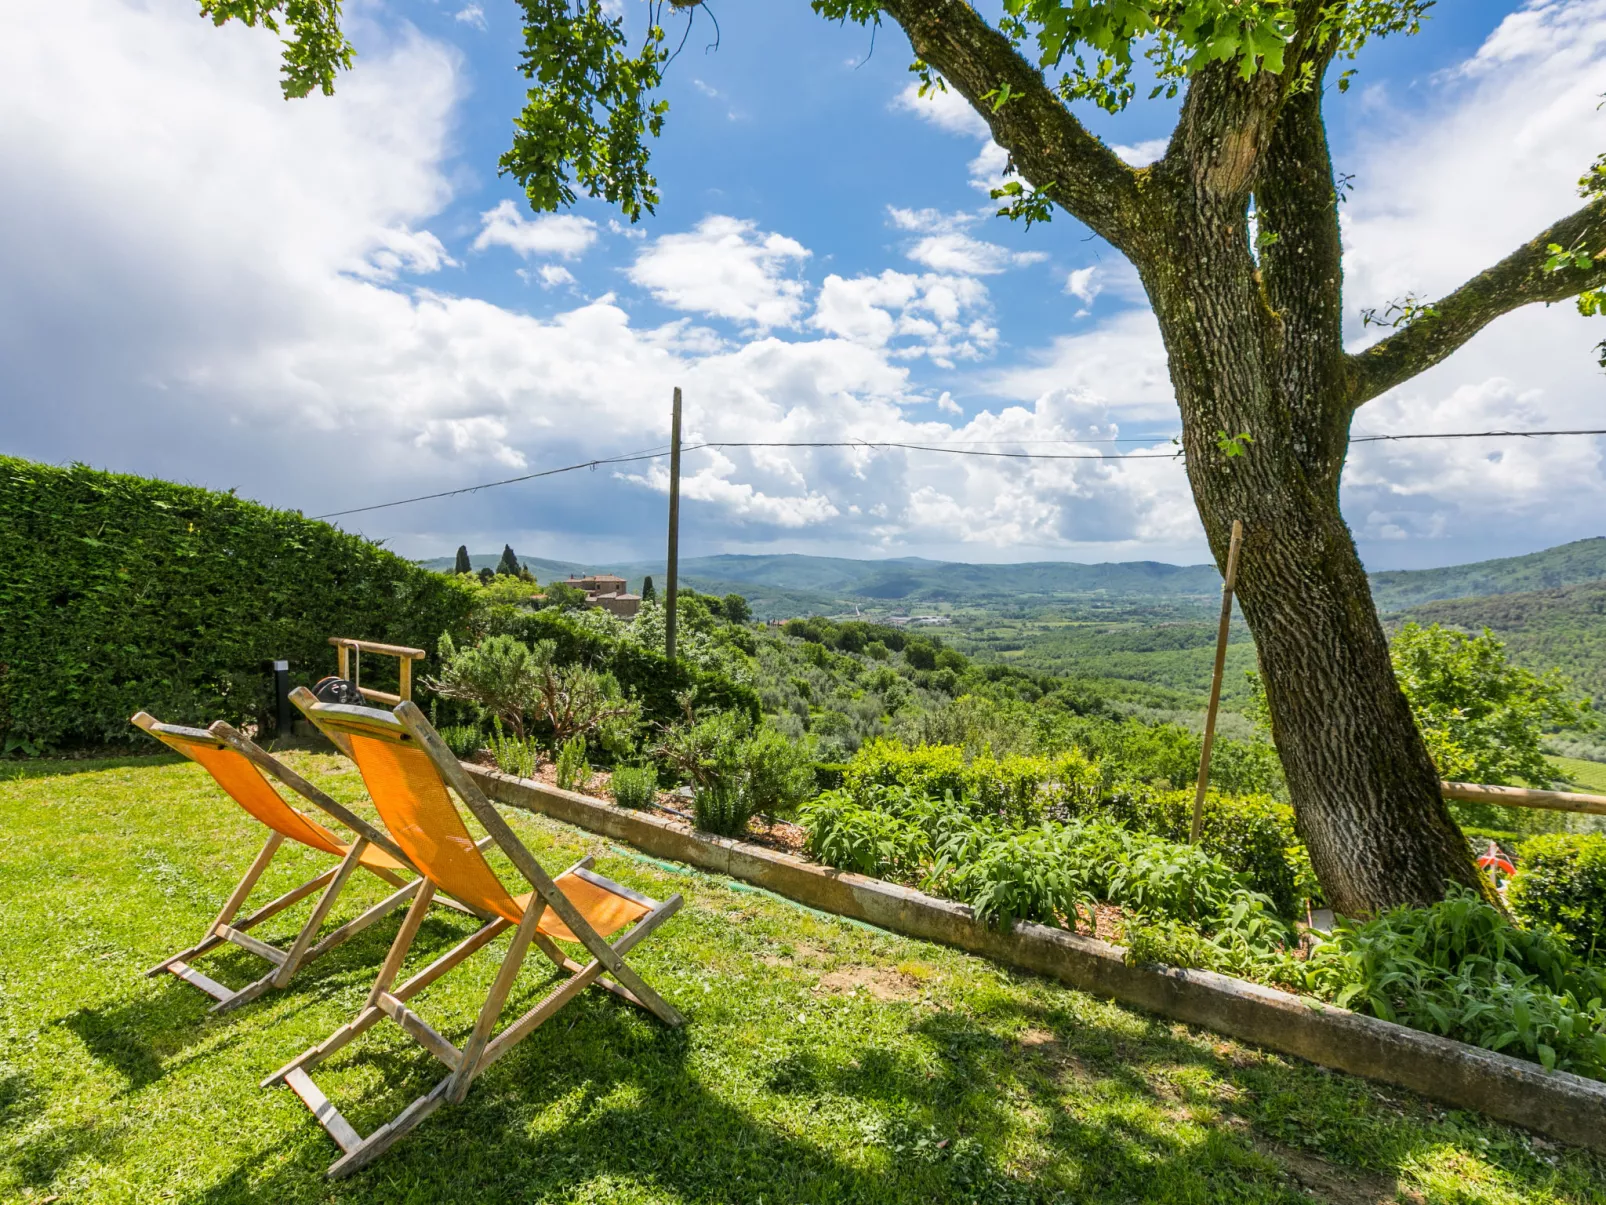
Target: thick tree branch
[(1518, 280), (1301, 270), (1051, 150), (1228, 122)]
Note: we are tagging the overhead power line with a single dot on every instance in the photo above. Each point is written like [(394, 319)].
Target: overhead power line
[(947, 450)]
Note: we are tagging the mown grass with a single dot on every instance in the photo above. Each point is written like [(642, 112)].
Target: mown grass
[(823, 1061), (1589, 775)]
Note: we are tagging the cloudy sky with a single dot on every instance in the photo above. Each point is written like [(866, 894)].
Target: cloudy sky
[(334, 302)]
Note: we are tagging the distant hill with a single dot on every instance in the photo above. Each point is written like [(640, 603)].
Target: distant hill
[(1142, 621), (793, 584), (788, 584), (1563, 628), (1564, 565)]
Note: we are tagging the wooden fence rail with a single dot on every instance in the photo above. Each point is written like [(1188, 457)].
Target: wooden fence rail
[(1523, 797)]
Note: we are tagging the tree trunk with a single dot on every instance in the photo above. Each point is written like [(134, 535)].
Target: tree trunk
[(1365, 793), (1255, 345)]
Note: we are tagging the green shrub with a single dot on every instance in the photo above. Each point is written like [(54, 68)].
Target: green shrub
[(828, 775), (1166, 878), (1561, 883), (1481, 717), (499, 676), (722, 808), (1010, 788), (778, 774), (1073, 782), (572, 770), (1461, 969), (514, 755), (642, 674), (464, 740), (635, 786), (864, 840), (932, 770), (1030, 875), (1252, 834), (123, 594)]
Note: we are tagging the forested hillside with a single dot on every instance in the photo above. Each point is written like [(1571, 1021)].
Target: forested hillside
[(1564, 565), (1142, 632), (1563, 628)]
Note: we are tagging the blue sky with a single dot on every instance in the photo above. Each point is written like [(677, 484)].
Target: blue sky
[(337, 301)]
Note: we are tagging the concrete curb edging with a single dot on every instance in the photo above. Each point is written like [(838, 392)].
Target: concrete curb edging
[(1564, 1106)]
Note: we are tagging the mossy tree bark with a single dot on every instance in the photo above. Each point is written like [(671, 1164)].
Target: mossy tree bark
[(1254, 341)]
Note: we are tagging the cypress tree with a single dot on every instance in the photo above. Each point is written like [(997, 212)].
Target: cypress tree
[(463, 565), (509, 562), (648, 594)]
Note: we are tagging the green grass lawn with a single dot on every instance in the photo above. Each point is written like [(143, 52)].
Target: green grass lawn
[(1589, 775), (822, 1062)]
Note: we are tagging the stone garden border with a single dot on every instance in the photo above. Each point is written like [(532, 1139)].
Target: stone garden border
[(1564, 1106)]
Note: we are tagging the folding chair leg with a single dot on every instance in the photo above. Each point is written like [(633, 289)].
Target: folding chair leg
[(386, 1136), (370, 1013), (582, 978), (232, 906), (320, 913), (491, 1010), (358, 923)]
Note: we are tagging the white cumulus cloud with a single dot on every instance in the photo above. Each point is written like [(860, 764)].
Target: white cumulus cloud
[(561, 234), (725, 268)]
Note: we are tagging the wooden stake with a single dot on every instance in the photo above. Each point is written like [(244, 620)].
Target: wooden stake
[(674, 530), (1215, 680)]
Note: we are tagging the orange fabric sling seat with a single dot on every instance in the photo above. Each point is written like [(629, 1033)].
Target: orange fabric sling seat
[(411, 777), (411, 798), (245, 784), (236, 765)]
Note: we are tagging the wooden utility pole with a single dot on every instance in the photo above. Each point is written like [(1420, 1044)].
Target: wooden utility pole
[(674, 530), (1215, 680)]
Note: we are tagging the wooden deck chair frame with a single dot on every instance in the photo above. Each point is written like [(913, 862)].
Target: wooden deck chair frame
[(607, 967), (227, 928)]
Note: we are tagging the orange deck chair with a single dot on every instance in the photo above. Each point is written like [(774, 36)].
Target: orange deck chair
[(408, 768), (237, 764)]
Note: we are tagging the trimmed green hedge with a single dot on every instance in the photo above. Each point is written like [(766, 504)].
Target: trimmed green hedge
[(122, 593)]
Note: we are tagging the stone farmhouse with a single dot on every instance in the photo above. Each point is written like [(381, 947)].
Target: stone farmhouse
[(608, 592)]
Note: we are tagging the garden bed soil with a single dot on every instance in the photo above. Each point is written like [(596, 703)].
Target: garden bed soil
[(1556, 1103), (671, 806)]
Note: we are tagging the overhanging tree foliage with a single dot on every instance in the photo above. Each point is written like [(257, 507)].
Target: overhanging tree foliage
[(1234, 233)]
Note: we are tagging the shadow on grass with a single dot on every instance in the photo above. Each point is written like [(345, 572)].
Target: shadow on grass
[(37, 1152), (611, 1106), (605, 1104), (156, 1034), (55, 767)]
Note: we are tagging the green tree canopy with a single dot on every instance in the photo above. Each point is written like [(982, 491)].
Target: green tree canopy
[(1482, 717)]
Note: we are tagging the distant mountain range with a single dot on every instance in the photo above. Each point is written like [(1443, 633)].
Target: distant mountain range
[(1146, 622), (792, 584)]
